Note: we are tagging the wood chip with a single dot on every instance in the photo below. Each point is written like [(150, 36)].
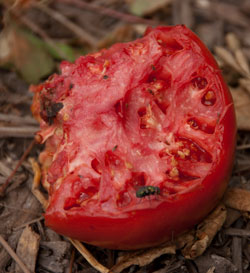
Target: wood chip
[(237, 232), (54, 256), (223, 265), (206, 232), (237, 199), (232, 216), (143, 258), (237, 253), (241, 102), (27, 249)]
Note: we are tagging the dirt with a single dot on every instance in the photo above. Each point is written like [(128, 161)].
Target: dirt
[(63, 29)]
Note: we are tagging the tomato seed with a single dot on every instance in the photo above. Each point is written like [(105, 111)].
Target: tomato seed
[(199, 83), (193, 123), (209, 98), (174, 173), (198, 125)]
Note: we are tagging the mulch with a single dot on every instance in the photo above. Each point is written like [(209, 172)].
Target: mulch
[(87, 26)]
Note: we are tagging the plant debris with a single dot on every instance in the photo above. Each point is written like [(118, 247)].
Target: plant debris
[(35, 37)]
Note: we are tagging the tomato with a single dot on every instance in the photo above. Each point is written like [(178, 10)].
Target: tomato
[(139, 140)]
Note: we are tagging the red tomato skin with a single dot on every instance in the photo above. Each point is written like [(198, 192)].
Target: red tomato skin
[(152, 226)]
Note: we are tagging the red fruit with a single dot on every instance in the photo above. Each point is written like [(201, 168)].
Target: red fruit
[(139, 140)]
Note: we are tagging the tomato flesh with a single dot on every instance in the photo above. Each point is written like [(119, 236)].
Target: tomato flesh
[(139, 140)]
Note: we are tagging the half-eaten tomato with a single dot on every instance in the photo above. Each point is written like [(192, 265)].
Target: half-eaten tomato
[(139, 140)]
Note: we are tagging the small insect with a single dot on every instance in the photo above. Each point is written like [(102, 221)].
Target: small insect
[(147, 190)]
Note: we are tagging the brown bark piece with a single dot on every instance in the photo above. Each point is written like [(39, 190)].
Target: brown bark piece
[(206, 232), (232, 216), (237, 253), (27, 249), (237, 199), (54, 256), (142, 258), (241, 102)]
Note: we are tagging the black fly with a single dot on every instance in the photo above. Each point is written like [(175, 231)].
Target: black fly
[(147, 190)]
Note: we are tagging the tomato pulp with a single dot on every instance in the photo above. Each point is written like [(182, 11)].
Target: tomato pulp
[(139, 140)]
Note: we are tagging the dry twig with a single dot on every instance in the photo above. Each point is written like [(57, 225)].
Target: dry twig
[(88, 256), (81, 33), (14, 119), (27, 131), (14, 255), (8, 180), (111, 12)]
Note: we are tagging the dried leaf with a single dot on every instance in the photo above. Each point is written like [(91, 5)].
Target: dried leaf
[(185, 240), (246, 84), (68, 52), (143, 258), (27, 249), (232, 216), (206, 232), (121, 33), (191, 248), (242, 61), (232, 41), (26, 53), (228, 58), (237, 199), (241, 102), (144, 7)]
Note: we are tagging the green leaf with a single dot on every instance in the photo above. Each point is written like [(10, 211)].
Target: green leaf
[(144, 7), (62, 52), (26, 53)]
